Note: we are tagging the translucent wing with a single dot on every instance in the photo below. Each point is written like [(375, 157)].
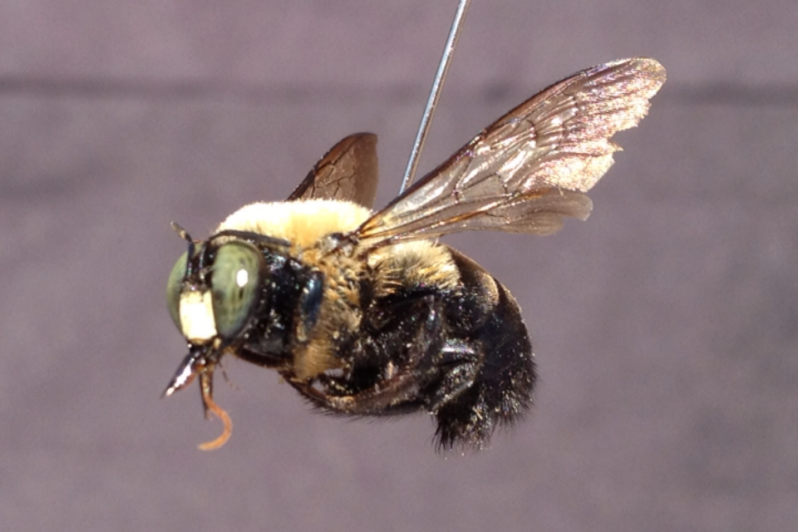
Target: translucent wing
[(349, 171), (532, 167)]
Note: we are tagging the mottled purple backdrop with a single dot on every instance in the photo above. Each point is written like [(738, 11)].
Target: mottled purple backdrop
[(666, 327)]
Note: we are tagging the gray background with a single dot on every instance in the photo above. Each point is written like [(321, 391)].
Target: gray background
[(665, 326)]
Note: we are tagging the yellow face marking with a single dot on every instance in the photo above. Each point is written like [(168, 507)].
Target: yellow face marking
[(196, 316)]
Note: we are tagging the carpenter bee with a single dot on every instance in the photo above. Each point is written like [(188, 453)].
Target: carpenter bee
[(365, 313)]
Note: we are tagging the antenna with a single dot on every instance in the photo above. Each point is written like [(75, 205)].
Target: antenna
[(182, 233), (435, 93)]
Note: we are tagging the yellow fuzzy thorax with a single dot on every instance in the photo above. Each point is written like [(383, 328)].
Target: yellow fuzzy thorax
[(303, 223)]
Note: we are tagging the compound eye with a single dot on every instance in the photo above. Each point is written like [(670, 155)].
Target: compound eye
[(235, 281), (173, 288)]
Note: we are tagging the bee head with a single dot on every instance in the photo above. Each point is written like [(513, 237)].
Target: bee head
[(220, 286), (214, 288)]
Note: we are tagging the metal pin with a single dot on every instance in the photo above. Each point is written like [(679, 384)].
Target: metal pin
[(434, 95)]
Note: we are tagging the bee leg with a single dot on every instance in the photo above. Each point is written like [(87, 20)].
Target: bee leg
[(450, 368), (397, 390), (456, 403), (465, 420), (460, 363)]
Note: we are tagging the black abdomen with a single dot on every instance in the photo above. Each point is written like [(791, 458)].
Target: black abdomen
[(489, 320)]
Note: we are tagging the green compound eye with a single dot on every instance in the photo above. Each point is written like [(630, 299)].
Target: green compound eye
[(173, 288), (235, 281)]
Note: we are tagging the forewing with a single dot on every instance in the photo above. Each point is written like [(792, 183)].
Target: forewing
[(349, 171), (532, 167)]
